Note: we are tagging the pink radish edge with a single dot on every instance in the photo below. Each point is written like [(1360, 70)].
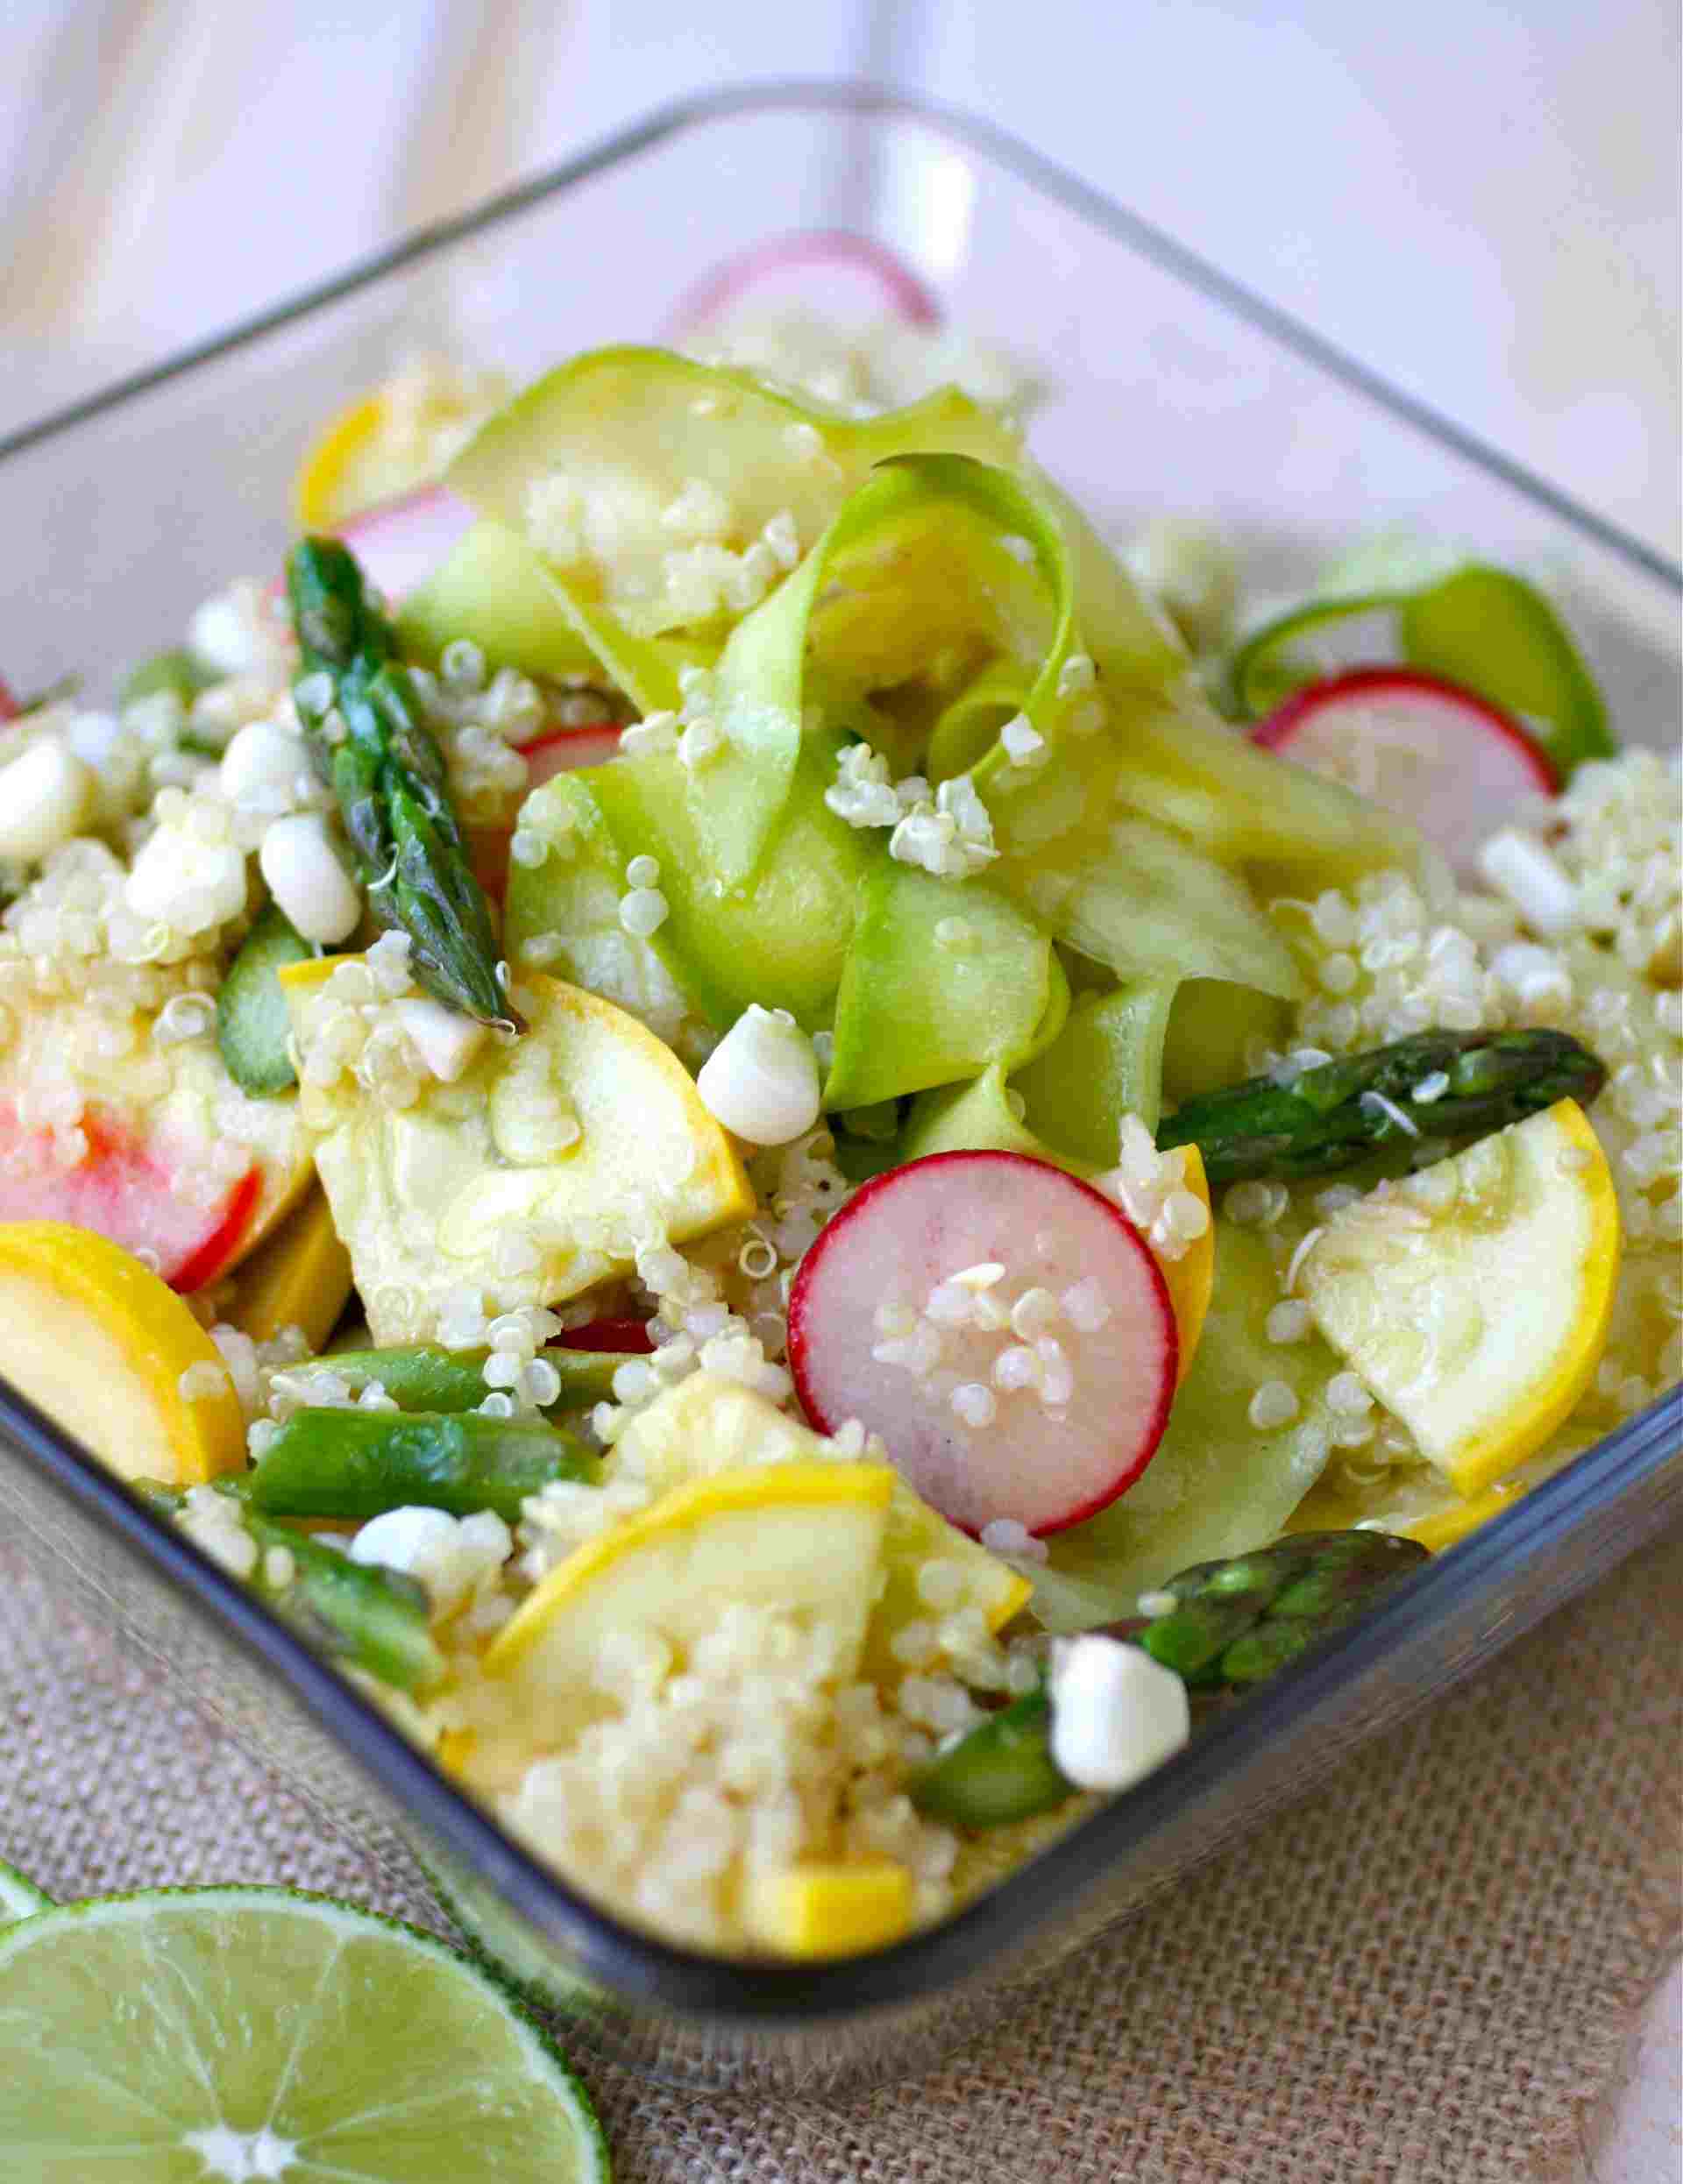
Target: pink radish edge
[(909, 297), (401, 542), (1282, 723), (560, 749), (1464, 761), (10, 709), (629, 1336), (398, 543), (956, 1209), (123, 1189)]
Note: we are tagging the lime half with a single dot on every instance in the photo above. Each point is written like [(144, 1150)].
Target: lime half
[(254, 2036), (18, 1898)]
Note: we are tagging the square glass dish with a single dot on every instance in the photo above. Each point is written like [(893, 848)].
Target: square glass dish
[(1172, 389)]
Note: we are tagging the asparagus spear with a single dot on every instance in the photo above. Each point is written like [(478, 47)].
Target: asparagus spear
[(1233, 1624), (388, 776), (1002, 1771), (1332, 1116), (376, 1619), (360, 1462), (427, 1377)]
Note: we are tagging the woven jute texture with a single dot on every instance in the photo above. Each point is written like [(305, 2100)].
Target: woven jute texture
[(1425, 1974)]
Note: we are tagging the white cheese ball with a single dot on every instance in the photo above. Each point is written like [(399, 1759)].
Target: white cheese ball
[(453, 1557), (1116, 1714), (184, 881), (45, 795), (303, 871), (1532, 878), (118, 762), (761, 1080), (445, 1040), (265, 767)]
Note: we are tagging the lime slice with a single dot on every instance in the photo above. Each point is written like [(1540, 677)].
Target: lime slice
[(18, 1899), (211, 2035)]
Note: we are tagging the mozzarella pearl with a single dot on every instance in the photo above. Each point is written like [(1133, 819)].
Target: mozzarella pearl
[(761, 1081), (1527, 871), (451, 1556), (46, 794), (263, 765), (186, 881), (445, 1040), (1116, 1714), (303, 871)]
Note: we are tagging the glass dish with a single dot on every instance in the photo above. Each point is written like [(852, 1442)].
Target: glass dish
[(1175, 389)]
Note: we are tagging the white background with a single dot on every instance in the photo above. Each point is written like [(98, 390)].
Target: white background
[(1482, 199)]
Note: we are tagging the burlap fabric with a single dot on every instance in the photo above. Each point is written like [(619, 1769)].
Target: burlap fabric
[(1426, 1974)]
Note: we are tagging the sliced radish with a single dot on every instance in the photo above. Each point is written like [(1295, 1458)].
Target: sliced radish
[(629, 1336), (401, 542), (562, 748), (827, 268), (1001, 1324), (120, 1190), (1451, 762), (489, 847), (10, 709)]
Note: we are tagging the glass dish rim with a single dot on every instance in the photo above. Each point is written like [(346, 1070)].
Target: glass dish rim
[(635, 1966), (695, 110)]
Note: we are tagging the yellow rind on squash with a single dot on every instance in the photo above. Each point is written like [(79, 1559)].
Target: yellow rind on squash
[(100, 1342), (818, 1486), (1480, 1326), (319, 500), (810, 1912), (1191, 1278), (423, 1198), (1434, 1523), (299, 1276), (1489, 1456), (1460, 1519), (704, 1424)]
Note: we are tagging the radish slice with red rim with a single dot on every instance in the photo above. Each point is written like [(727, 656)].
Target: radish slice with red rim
[(561, 749), (399, 543), (828, 269), (123, 1189), (1452, 762), (630, 1337), (10, 708), (1001, 1324)]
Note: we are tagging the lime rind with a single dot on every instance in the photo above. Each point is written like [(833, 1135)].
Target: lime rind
[(381, 2054), (18, 1899)]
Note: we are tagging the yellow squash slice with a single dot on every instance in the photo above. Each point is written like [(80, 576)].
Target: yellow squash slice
[(102, 1345), (1473, 1299), (429, 1199), (802, 1539), (1190, 1279), (299, 1276), (810, 1912), (705, 1425)]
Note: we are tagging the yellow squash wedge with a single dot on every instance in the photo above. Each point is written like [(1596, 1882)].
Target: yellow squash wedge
[(101, 1345), (1473, 1299), (705, 1425), (801, 1539), (426, 1198)]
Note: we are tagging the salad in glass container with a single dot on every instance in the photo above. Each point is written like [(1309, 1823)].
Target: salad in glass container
[(803, 1155)]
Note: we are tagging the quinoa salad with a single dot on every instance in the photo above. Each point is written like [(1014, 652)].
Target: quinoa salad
[(803, 1155)]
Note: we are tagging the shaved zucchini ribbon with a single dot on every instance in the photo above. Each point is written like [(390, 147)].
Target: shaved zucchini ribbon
[(626, 432), (1135, 841), (1484, 629)]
